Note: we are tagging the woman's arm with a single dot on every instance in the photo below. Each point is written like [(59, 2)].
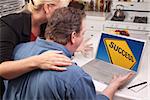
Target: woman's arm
[(9, 39), (47, 61)]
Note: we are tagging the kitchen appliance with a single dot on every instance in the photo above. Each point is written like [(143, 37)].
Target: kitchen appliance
[(119, 14), (136, 21)]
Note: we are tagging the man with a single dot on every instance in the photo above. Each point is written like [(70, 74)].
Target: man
[(64, 33)]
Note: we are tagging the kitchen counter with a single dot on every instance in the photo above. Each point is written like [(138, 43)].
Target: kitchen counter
[(96, 15)]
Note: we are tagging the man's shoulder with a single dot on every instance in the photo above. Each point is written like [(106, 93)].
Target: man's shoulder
[(72, 75), (22, 50), (25, 46), (72, 71), (75, 70)]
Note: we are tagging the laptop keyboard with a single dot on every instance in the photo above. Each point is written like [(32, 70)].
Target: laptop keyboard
[(103, 71)]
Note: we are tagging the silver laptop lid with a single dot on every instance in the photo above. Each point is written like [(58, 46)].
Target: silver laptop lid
[(120, 50)]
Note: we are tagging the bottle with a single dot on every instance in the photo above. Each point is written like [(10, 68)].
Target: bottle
[(96, 5), (101, 5), (91, 5)]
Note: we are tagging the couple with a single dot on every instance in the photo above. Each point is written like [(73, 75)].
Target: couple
[(64, 32)]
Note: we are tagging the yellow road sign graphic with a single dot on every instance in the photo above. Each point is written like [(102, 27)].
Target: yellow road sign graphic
[(119, 53)]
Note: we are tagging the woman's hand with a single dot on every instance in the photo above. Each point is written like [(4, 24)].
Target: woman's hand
[(51, 60)]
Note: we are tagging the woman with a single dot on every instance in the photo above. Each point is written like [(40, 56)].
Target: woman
[(24, 27)]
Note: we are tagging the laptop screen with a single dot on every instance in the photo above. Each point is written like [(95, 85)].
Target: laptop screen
[(120, 50)]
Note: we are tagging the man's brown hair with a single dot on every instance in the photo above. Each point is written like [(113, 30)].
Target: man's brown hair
[(62, 23)]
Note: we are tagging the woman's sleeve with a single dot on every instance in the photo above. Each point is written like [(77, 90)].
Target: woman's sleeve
[(8, 40)]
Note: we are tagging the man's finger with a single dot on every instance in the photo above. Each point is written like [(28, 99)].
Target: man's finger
[(88, 49), (89, 45), (87, 39), (130, 75)]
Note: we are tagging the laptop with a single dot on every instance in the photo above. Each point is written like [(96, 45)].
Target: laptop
[(116, 54)]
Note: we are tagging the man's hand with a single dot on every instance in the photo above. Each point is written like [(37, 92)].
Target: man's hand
[(119, 80), (85, 47), (116, 82)]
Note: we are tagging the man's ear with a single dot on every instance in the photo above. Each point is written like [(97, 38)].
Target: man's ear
[(73, 37)]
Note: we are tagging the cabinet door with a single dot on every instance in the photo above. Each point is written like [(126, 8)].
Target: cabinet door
[(94, 25)]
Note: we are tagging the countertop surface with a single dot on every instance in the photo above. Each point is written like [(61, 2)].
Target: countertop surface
[(96, 15)]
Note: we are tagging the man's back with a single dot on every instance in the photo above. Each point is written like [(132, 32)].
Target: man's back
[(73, 84), (49, 85)]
